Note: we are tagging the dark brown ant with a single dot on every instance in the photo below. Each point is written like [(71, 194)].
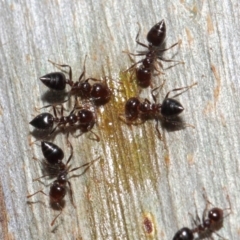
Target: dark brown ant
[(58, 188), (98, 92), (212, 221), (83, 119), (137, 112), (155, 38)]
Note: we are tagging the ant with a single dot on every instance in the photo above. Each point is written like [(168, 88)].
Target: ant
[(212, 221), (138, 112), (58, 188), (84, 119), (155, 38), (99, 92)]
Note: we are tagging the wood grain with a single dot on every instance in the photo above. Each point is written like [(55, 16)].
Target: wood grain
[(139, 190)]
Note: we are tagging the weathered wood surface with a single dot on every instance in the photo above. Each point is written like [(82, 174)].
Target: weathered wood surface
[(137, 177)]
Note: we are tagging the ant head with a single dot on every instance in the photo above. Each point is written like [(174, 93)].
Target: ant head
[(100, 93), (131, 108), (143, 76), (57, 192), (171, 107), (215, 216), (85, 116), (43, 121)]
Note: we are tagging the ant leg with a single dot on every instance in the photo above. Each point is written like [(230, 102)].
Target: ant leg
[(195, 221), (205, 197), (53, 221), (165, 49), (146, 101), (137, 38), (131, 76), (84, 70), (40, 191), (93, 79), (122, 117), (152, 91), (138, 121), (36, 179), (71, 193), (136, 54), (70, 82), (77, 136), (97, 138), (217, 235), (157, 69), (71, 147), (169, 60), (55, 129), (31, 143), (230, 206), (158, 131), (63, 66), (131, 68), (178, 89), (130, 57), (53, 105), (75, 105), (86, 165)]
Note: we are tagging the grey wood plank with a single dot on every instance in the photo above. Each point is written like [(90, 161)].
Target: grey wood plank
[(137, 178)]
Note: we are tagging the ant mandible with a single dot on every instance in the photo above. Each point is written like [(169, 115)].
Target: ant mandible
[(58, 188), (137, 112), (83, 119), (212, 221), (99, 92), (155, 38)]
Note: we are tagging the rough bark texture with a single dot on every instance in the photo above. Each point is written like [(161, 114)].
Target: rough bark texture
[(143, 188)]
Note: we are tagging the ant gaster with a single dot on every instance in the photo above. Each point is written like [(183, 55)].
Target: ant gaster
[(157, 34), (184, 234), (155, 38), (58, 188), (52, 153), (98, 92), (212, 221), (137, 112), (83, 119)]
